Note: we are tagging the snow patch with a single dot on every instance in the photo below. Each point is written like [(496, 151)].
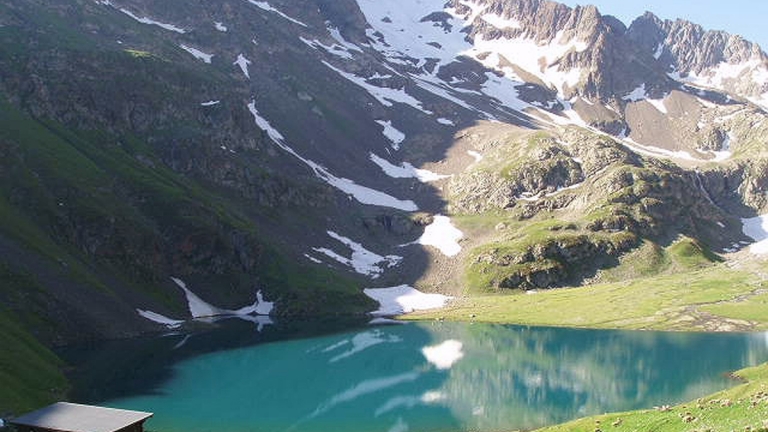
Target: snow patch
[(199, 308), (442, 235), (404, 299), (394, 135), (336, 35), (206, 58), (504, 90), (145, 20), (220, 26), (405, 170), (757, 229), (267, 7), (500, 22), (334, 49), (362, 194), (445, 121), (361, 260), (385, 95), (210, 103), (640, 94), (444, 355), (530, 55), (243, 63), (313, 259), (160, 319)]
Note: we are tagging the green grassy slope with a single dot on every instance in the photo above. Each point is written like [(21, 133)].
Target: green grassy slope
[(30, 374), (742, 408), (681, 287)]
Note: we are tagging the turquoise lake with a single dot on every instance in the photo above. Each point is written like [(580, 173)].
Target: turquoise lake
[(397, 378)]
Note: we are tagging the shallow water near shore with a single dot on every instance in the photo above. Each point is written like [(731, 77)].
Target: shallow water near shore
[(407, 377)]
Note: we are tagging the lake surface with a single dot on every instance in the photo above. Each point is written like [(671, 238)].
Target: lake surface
[(397, 378)]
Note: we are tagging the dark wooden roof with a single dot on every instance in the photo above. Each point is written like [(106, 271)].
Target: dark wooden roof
[(69, 417)]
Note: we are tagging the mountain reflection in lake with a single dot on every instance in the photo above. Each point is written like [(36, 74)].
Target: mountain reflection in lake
[(419, 377)]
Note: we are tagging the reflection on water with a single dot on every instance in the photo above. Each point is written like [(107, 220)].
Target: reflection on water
[(418, 377)]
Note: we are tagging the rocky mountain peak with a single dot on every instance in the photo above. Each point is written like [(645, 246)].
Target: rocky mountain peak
[(580, 52), (688, 46), (710, 58)]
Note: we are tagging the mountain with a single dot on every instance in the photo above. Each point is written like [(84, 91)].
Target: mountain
[(713, 59), (160, 158)]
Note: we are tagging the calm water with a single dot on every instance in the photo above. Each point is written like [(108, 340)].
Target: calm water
[(414, 377)]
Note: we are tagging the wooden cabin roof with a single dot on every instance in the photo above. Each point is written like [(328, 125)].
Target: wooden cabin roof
[(70, 417)]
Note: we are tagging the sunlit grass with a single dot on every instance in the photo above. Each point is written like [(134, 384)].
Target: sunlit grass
[(742, 408), (667, 302)]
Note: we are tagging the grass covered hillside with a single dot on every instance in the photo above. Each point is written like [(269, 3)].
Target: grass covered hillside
[(742, 408)]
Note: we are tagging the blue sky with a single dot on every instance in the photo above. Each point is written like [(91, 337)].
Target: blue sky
[(748, 18)]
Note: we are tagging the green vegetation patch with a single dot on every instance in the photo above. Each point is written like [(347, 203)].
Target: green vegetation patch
[(676, 301), (749, 308), (30, 374), (742, 408), (542, 254)]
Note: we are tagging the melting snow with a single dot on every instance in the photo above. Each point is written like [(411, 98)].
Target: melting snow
[(444, 355), (659, 105), (267, 7), (199, 308), (362, 194), (334, 49), (197, 53), (336, 34), (718, 76), (405, 170), (636, 94), (385, 95), (530, 55), (572, 116), (160, 319), (442, 235), (394, 135), (362, 260), (504, 90), (313, 259), (654, 151), (757, 229), (403, 299), (145, 20), (243, 63), (220, 26), (639, 94), (500, 22)]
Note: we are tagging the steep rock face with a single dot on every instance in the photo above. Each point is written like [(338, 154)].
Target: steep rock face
[(710, 58), (601, 61)]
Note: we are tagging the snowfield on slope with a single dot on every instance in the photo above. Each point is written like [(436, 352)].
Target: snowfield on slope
[(442, 235), (362, 194), (361, 260), (403, 299)]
